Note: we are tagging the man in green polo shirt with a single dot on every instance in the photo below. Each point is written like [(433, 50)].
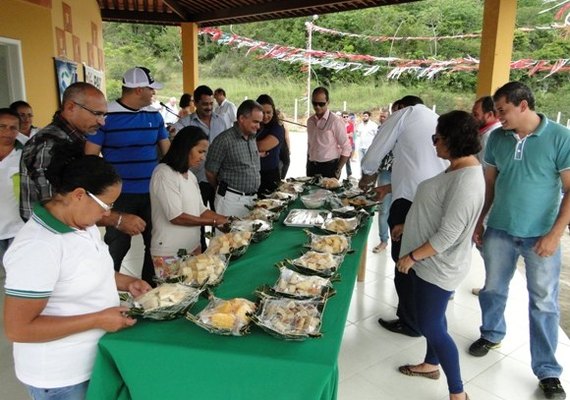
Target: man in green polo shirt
[(528, 167)]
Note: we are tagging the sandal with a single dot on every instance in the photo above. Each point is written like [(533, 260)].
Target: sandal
[(407, 370)]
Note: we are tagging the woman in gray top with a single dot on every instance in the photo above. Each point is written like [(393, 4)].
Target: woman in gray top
[(436, 244)]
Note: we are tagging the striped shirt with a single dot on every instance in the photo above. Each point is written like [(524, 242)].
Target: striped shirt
[(129, 142), (36, 157)]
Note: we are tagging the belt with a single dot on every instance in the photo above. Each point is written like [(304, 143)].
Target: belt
[(240, 193)]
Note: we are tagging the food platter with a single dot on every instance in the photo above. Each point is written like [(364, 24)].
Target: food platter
[(302, 218)]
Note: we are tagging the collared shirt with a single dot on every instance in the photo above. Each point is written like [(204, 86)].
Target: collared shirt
[(217, 126), (484, 134), (365, 133), (36, 157), (327, 139), (527, 187), (129, 142), (235, 160), (407, 133), (227, 110), (10, 221)]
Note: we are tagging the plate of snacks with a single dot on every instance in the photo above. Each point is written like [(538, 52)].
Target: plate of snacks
[(333, 244), (329, 183), (290, 319), (262, 213), (295, 285), (202, 269), (271, 204), (164, 302), (260, 228), (313, 262), (341, 225), (291, 187), (233, 243), (302, 218), (225, 317)]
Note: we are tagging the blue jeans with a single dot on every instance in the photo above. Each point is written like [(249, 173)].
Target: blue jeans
[(500, 253), (384, 178), (431, 303), (73, 392)]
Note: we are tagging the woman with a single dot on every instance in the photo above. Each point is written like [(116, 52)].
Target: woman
[(186, 106), (61, 287), (176, 203), (436, 243), (285, 152), (270, 138)]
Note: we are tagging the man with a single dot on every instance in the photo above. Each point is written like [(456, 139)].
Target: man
[(328, 146), (385, 113), (128, 141), (484, 111), (407, 133), (170, 115), (10, 153), (365, 132), (349, 127), (26, 115), (528, 165), (212, 124), (224, 108), (232, 163)]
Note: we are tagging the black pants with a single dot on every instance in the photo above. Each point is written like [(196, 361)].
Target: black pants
[(348, 166), (208, 196), (119, 243), (269, 181), (326, 169), (406, 311)]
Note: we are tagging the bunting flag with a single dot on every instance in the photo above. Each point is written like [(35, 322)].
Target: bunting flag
[(368, 64)]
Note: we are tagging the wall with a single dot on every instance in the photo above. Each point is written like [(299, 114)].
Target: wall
[(36, 24)]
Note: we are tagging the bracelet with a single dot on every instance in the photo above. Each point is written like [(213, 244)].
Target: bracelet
[(119, 221), (412, 256)]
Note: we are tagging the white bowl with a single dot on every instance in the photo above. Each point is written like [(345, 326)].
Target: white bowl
[(311, 202)]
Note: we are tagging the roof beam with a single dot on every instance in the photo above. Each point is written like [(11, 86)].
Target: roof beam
[(268, 8), (140, 17), (177, 9)]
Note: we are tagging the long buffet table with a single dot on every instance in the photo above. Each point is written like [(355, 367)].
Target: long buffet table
[(178, 360)]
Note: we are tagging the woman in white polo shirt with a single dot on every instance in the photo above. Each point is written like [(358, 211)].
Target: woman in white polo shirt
[(61, 288), (176, 203)]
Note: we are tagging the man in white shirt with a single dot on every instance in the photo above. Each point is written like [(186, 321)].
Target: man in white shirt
[(26, 115), (225, 108), (407, 133), (484, 111), (365, 132)]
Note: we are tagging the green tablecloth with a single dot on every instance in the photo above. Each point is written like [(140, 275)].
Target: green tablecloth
[(178, 360)]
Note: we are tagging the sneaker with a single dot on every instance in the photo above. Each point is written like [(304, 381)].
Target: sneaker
[(552, 388), (380, 248), (481, 347)]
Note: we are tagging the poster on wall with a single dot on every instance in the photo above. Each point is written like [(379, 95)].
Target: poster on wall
[(93, 76), (65, 73)]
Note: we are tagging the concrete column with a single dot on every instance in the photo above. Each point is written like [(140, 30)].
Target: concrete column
[(189, 32), (499, 17)]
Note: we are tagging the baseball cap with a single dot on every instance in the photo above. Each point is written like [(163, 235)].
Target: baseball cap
[(140, 77)]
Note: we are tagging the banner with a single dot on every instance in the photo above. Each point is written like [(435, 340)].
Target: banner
[(66, 74), (93, 76)]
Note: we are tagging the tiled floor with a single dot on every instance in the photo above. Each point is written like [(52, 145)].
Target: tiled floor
[(370, 355)]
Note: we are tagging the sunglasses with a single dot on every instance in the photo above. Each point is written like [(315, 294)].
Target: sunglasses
[(319, 104), (97, 114), (101, 203), (435, 138)]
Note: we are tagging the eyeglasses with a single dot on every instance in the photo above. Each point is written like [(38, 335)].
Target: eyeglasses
[(435, 138), (97, 114), (101, 203), (345, 116), (319, 103)]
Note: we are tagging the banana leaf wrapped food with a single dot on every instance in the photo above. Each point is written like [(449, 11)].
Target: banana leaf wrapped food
[(314, 262), (334, 244), (260, 228), (298, 286), (202, 269), (329, 183), (233, 244), (262, 213), (290, 319), (283, 196), (165, 302), (271, 204), (341, 225), (291, 187), (225, 317)]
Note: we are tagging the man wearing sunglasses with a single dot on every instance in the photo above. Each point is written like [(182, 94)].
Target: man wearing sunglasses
[(131, 140), (328, 146)]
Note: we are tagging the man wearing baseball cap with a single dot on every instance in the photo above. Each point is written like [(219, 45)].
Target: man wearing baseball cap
[(128, 140)]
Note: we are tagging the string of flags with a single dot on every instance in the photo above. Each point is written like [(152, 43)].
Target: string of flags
[(368, 64)]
